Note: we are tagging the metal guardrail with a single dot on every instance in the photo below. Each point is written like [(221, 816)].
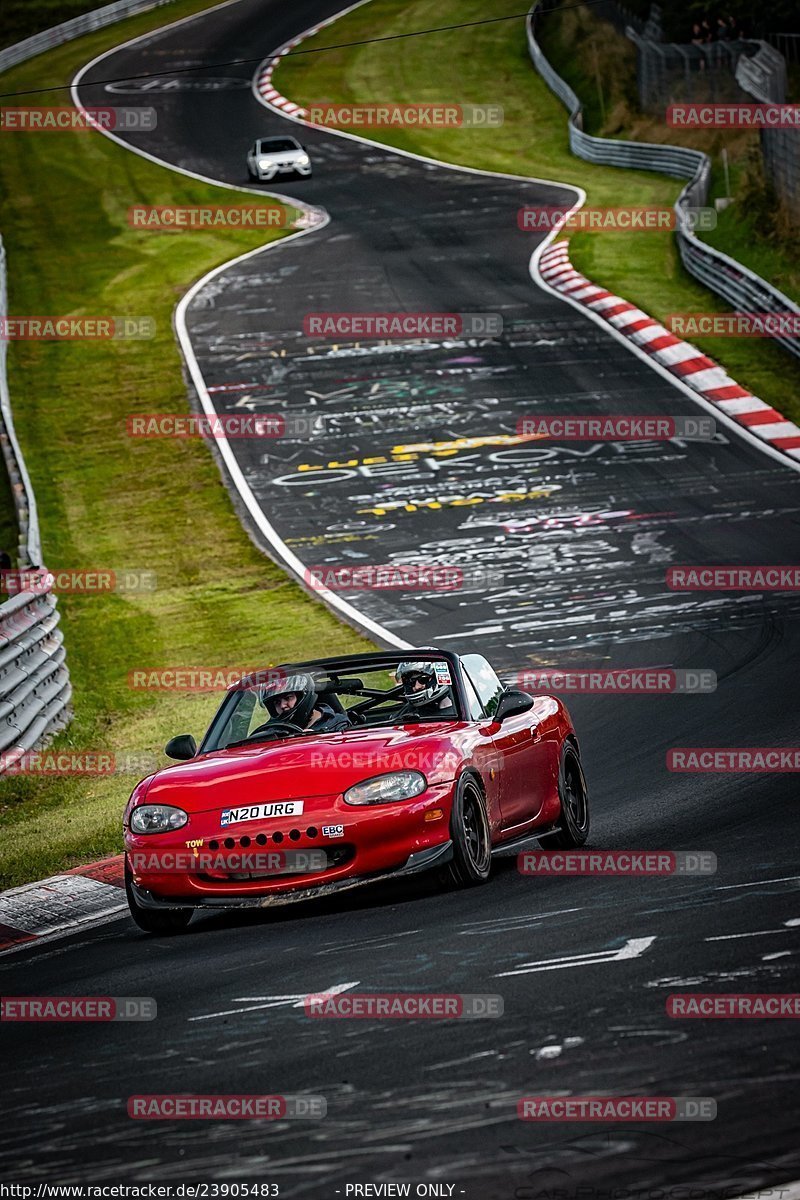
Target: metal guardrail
[(735, 283), (35, 690), (29, 551), (75, 27)]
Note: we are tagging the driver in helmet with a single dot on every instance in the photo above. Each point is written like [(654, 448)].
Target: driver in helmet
[(297, 702), (423, 694)]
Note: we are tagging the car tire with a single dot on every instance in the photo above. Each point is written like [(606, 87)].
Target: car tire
[(574, 797), (156, 920), (469, 831)]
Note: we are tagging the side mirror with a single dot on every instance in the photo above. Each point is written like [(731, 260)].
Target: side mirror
[(511, 703), (183, 746)]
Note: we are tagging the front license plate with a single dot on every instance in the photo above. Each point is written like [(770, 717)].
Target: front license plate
[(257, 812)]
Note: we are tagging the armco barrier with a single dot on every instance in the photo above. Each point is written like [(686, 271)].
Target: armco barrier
[(740, 287), (34, 682), (67, 30), (35, 690)]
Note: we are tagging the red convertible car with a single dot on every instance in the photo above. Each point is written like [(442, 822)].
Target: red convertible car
[(344, 771)]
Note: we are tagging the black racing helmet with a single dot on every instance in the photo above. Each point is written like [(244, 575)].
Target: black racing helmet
[(300, 685), (415, 670)]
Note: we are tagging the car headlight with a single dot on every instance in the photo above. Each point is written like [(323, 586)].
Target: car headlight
[(157, 818), (385, 789), (263, 164), (304, 160)]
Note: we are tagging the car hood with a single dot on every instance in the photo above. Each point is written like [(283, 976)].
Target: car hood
[(322, 765), (279, 155)]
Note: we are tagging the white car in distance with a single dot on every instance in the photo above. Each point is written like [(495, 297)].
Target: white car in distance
[(272, 156)]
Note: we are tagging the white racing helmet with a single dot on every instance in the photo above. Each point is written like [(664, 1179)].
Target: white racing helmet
[(409, 673)]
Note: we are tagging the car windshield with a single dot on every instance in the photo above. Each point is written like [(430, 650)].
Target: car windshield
[(263, 712), (276, 145)]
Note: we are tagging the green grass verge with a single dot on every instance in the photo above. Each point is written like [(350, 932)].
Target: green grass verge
[(490, 64), (106, 501)]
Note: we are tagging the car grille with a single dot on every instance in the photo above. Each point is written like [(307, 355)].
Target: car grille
[(263, 839)]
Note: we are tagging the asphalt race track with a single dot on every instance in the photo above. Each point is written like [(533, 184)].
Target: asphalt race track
[(582, 535)]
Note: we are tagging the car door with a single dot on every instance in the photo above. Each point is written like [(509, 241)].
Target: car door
[(524, 754), (484, 754)]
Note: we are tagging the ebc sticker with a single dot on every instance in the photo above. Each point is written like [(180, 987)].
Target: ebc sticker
[(333, 831), (257, 812)]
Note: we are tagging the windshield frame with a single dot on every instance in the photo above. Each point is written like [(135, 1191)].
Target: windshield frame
[(345, 665)]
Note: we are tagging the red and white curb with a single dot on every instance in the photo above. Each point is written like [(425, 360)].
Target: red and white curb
[(680, 358), (62, 904), (264, 82)]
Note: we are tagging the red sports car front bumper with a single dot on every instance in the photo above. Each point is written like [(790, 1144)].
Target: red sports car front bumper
[(187, 868)]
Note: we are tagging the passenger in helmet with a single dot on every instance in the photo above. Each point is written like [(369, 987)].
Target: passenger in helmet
[(423, 695), (296, 701)]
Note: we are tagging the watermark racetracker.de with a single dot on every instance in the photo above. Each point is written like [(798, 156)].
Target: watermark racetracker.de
[(59, 763), (616, 1108), (720, 115), (378, 325), (64, 328), (411, 577), (734, 1005), (733, 578), (630, 219), (174, 218), (616, 428), (733, 760), (202, 678), (390, 115), (77, 582), (619, 681), (55, 119), (643, 863), (738, 324), (78, 1008), (398, 1005), (242, 1107)]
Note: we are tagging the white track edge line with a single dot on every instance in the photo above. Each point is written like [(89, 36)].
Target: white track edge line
[(719, 414), (351, 614), (536, 276)]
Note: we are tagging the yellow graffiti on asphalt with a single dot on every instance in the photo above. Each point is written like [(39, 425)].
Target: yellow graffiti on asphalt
[(457, 502), (412, 452)]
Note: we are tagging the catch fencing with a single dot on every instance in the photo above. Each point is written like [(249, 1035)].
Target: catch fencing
[(735, 283), (35, 689), (764, 77), (787, 44), (668, 72)]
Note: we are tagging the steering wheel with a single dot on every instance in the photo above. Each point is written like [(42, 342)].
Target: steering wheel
[(283, 726)]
